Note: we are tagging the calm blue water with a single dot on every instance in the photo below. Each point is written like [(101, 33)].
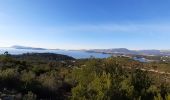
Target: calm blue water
[(75, 54), (140, 59)]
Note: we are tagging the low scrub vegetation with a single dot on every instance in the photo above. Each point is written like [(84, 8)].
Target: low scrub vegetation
[(62, 77)]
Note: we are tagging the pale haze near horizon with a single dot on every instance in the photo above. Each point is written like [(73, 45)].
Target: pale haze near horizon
[(85, 24)]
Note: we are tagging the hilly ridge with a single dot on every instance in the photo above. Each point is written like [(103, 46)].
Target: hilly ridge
[(127, 51)]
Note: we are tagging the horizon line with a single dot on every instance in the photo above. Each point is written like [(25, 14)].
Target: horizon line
[(82, 48)]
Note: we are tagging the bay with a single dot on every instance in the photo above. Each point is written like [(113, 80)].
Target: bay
[(73, 53)]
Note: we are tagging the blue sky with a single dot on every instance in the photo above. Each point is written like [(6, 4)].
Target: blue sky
[(85, 24)]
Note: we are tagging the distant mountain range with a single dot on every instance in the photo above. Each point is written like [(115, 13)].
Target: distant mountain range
[(133, 52), (109, 51), (24, 47)]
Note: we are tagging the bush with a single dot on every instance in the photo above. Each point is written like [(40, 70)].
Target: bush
[(29, 96)]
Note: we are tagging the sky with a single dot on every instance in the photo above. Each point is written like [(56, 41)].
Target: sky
[(85, 24)]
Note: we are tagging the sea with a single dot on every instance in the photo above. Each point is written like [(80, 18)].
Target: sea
[(78, 54)]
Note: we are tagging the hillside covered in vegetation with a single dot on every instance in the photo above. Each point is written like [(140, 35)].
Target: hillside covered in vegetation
[(49, 76)]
